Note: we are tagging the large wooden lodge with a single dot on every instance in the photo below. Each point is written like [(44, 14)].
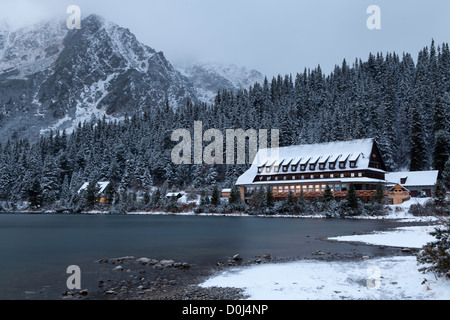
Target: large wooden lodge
[(309, 169)]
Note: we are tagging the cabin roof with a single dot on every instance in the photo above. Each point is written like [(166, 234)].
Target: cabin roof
[(100, 185), (413, 178)]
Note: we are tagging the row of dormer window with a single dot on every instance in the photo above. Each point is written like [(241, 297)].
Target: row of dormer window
[(303, 177), (304, 167)]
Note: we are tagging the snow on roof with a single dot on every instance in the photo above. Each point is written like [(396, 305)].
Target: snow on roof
[(100, 185), (334, 158), (344, 157), (354, 156), (305, 160), (413, 178), (174, 194), (332, 150), (226, 190), (296, 161)]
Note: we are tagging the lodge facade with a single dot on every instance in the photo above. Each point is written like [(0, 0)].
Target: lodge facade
[(309, 169)]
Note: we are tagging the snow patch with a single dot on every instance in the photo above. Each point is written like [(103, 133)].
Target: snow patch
[(318, 280)]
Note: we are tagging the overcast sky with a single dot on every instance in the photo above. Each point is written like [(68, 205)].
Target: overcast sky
[(272, 36)]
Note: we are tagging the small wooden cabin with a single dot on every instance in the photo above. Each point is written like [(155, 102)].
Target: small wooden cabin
[(399, 194)]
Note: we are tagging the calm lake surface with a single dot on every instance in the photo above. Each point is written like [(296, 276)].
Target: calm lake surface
[(35, 250)]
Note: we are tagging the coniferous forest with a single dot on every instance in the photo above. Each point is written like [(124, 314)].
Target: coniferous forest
[(401, 101)]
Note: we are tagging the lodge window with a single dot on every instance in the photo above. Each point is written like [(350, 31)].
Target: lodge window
[(284, 178), (276, 178), (312, 176), (268, 170), (342, 165), (294, 168), (293, 177), (360, 174), (321, 176), (342, 175), (303, 167), (322, 166), (344, 187), (352, 164), (312, 167), (276, 168), (285, 168), (260, 170), (332, 166), (331, 175), (303, 177)]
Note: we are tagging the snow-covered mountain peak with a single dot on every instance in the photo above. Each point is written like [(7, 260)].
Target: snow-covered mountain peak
[(27, 48), (209, 78)]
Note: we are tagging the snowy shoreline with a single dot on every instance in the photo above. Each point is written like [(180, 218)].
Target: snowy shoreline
[(386, 278)]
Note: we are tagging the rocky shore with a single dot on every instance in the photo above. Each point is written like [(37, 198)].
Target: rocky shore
[(131, 278)]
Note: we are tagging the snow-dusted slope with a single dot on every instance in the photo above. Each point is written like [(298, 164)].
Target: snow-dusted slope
[(209, 78), (53, 78)]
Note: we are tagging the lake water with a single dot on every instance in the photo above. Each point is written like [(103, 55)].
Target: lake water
[(35, 250)]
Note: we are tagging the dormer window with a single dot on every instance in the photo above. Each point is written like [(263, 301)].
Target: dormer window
[(268, 169), (260, 170), (303, 167), (352, 164), (276, 168), (341, 165), (312, 167), (294, 168), (332, 166), (285, 168), (322, 166)]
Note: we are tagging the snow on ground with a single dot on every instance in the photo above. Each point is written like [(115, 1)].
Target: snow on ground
[(391, 278), (395, 278), (405, 237)]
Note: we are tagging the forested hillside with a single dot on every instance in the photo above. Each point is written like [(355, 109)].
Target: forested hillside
[(403, 103)]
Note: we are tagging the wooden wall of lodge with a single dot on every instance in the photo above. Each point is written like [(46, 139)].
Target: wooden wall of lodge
[(337, 194), (317, 176)]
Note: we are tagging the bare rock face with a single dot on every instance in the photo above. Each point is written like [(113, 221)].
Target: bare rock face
[(53, 78)]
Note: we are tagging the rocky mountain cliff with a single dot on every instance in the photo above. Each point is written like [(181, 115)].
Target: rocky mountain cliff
[(53, 78)]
